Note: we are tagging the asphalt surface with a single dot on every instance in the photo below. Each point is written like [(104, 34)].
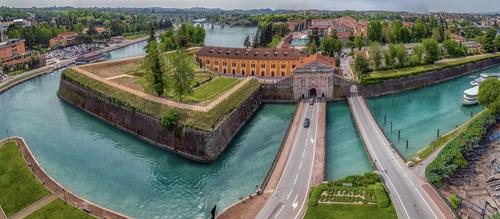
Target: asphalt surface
[(289, 199), (409, 198)]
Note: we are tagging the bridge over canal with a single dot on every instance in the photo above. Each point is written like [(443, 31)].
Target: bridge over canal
[(412, 197)]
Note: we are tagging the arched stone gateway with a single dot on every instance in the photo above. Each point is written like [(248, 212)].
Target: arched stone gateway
[(314, 78), (312, 92)]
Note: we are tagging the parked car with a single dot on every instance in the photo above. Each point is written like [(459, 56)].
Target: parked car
[(307, 122), (312, 101)]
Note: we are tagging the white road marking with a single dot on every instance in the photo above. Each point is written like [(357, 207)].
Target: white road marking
[(300, 165), (295, 180), (289, 194), (279, 211), (295, 202)]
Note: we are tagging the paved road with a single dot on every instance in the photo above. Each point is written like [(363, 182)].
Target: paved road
[(407, 194), (290, 197)]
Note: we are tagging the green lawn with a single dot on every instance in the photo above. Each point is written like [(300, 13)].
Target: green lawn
[(379, 76), (211, 89), (57, 209), (134, 36), (18, 187), (339, 211), (16, 72)]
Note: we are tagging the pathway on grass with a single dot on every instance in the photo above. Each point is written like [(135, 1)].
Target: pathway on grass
[(37, 205), (56, 188), (161, 100)]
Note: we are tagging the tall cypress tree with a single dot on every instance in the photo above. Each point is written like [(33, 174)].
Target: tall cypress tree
[(154, 80)]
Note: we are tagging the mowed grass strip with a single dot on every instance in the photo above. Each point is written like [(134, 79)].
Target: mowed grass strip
[(57, 209), (212, 89), (18, 187), (347, 211)]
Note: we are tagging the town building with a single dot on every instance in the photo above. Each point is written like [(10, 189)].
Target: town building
[(116, 39), (258, 62), (344, 27), (11, 50), (63, 39)]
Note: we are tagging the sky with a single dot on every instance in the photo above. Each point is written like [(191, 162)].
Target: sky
[(390, 5)]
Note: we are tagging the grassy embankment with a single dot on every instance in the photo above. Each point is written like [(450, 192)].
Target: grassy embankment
[(57, 209), (452, 157), (380, 76), (194, 119), (18, 187), (441, 141), (365, 198)]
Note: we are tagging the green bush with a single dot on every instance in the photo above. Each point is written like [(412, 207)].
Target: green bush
[(316, 193), (452, 156), (169, 119), (454, 201), (382, 198)]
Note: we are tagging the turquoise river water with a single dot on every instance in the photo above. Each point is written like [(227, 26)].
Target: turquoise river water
[(419, 113), (118, 171), (345, 153)]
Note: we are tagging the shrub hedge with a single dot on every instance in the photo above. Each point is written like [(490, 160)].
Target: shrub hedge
[(383, 200)]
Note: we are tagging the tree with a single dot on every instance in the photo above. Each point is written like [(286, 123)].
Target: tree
[(489, 40), (419, 30), (361, 65), (418, 52), (375, 31), (180, 71), (169, 119), (453, 48), (247, 42), (359, 42), (375, 55), (489, 94), (331, 47), (398, 53), (431, 48), (154, 80), (497, 42)]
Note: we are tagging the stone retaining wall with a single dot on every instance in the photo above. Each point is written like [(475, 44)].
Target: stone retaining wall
[(425, 79), (203, 146)]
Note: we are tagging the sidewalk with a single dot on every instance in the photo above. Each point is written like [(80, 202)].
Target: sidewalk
[(35, 206)]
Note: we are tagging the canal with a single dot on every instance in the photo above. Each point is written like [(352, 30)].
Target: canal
[(117, 171), (418, 114), (227, 37), (345, 153)]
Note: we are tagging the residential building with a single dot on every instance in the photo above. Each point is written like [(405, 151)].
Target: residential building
[(63, 39), (11, 50)]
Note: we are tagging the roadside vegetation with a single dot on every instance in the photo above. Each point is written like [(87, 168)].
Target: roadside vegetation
[(351, 197), (57, 209), (452, 157), (18, 187)]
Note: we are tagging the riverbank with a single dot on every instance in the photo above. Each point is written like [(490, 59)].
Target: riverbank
[(56, 188)]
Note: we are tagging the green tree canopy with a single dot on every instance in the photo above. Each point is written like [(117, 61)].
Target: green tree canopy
[(181, 73), (431, 47), (153, 80), (489, 40), (489, 94), (361, 65)]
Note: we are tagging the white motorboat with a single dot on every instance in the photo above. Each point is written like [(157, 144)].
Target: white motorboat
[(477, 81), (470, 96)]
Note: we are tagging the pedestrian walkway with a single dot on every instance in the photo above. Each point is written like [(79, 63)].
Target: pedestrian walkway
[(35, 206), (161, 100)]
